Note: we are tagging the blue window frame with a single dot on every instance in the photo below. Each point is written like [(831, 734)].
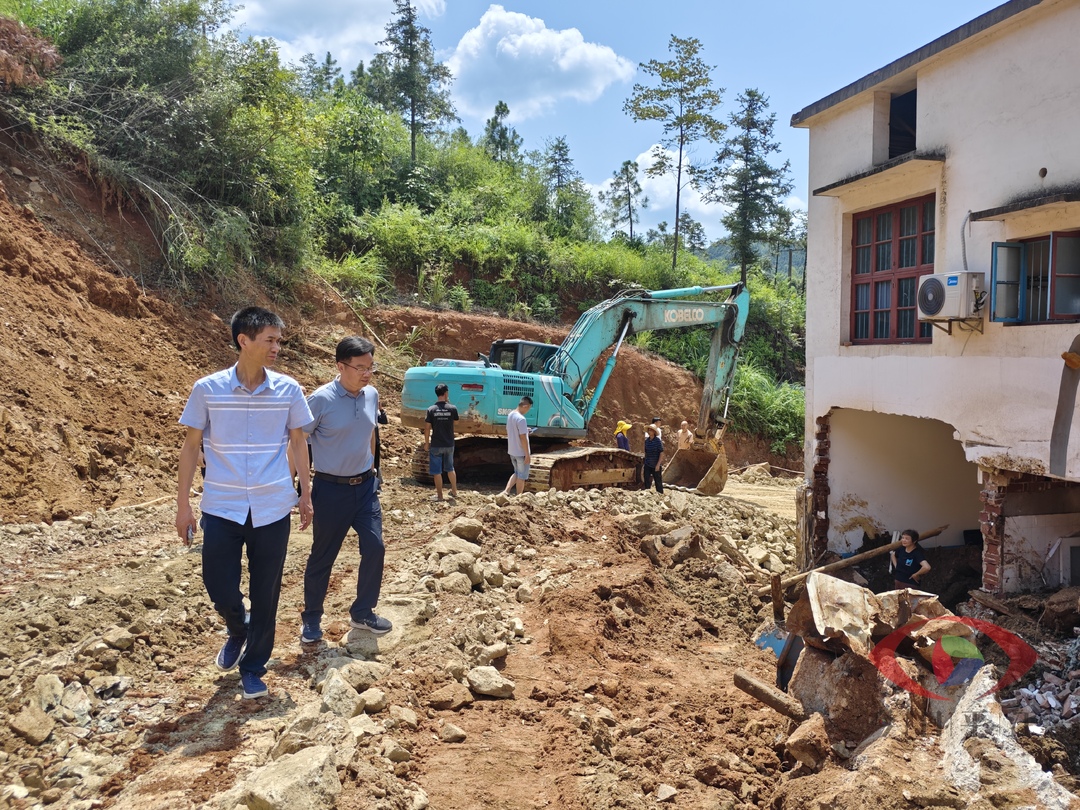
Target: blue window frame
[(1036, 280)]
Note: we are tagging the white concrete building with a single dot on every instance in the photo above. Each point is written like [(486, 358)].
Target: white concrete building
[(961, 160)]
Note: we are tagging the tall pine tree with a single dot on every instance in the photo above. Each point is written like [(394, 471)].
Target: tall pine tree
[(746, 182), (501, 140), (418, 86), (683, 101), (623, 199)]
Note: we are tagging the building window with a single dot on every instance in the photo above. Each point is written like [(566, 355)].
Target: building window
[(891, 248), (902, 110), (1036, 280)]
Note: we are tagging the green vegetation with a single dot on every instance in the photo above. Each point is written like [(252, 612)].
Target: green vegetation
[(248, 167)]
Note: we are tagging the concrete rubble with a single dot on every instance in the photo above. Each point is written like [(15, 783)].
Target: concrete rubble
[(859, 720)]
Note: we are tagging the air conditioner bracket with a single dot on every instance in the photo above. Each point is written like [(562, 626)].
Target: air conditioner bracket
[(964, 324)]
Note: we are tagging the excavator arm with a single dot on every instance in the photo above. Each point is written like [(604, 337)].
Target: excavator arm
[(611, 322)]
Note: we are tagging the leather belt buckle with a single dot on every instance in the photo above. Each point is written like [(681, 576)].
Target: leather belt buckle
[(358, 480)]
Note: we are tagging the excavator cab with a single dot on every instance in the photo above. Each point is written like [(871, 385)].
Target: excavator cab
[(526, 356)]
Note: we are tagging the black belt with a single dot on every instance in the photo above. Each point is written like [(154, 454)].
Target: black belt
[(356, 480)]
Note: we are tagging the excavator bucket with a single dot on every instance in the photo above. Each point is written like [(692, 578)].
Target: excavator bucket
[(702, 470)]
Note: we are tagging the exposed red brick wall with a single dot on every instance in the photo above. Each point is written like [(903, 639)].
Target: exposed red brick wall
[(997, 486), (992, 524), (819, 489)]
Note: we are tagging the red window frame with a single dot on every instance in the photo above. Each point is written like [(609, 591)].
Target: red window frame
[(881, 240)]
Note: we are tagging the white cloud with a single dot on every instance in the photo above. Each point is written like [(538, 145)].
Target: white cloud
[(347, 29), (795, 203), (661, 193), (518, 59)]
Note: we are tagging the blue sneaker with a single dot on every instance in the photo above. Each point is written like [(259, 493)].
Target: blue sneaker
[(231, 652), (376, 625), (312, 632), (253, 686)]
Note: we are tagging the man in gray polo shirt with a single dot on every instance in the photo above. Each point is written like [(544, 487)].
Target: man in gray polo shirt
[(243, 418), (346, 488)]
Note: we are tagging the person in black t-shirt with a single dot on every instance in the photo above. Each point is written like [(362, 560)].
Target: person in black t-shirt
[(439, 441), (909, 563)]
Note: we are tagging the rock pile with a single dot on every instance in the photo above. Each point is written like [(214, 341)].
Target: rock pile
[(457, 605), (1049, 700)]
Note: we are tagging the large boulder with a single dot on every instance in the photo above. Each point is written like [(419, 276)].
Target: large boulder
[(451, 544), (467, 528), (340, 698), (848, 690), (306, 779), (49, 691), (32, 724), (453, 696), (362, 675), (809, 743), (489, 681)]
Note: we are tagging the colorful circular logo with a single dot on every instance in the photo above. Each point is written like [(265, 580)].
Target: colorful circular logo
[(955, 659)]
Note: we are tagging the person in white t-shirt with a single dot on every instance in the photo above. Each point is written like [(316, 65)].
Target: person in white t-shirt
[(517, 444)]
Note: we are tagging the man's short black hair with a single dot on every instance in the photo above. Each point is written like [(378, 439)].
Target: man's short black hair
[(441, 389), (525, 400), (354, 346), (251, 321), (914, 535)]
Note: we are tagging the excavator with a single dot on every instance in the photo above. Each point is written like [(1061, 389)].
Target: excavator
[(559, 379)]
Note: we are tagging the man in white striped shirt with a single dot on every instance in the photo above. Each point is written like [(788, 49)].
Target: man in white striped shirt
[(244, 418)]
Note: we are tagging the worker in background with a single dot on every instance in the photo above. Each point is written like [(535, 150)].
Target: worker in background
[(654, 457), (656, 424), (517, 444), (439, 440), (685, 436), (908, 563), (621, 437)]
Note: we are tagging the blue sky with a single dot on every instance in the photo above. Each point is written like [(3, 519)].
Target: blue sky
[(565, 68)]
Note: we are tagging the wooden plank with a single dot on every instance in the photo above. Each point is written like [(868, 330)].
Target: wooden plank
[(840, 564), (986, 600), (777, 600), (770, 696)]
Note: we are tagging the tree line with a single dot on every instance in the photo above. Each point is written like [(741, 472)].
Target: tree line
[(246, 165)]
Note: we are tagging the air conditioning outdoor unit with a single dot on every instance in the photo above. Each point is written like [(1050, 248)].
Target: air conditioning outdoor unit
[(950, 296)]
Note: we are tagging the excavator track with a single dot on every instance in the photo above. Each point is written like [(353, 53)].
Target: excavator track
[(559, 465), (573, 467)]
